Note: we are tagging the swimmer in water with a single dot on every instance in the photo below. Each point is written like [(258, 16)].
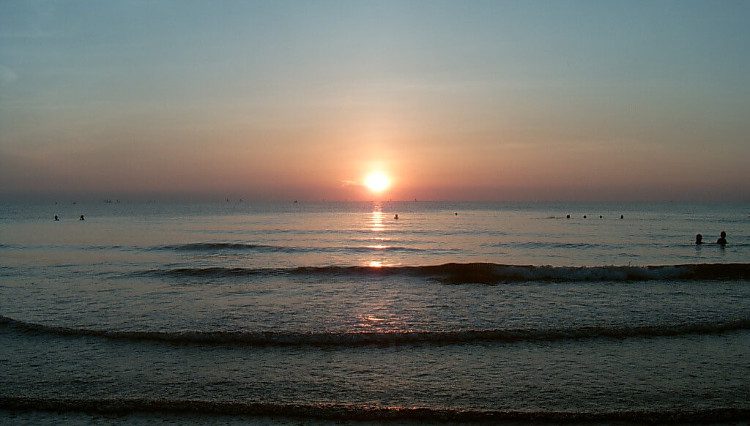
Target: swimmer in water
[(698, 239), (722, 241)]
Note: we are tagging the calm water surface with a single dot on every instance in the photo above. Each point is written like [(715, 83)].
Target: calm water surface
[(338, 311)]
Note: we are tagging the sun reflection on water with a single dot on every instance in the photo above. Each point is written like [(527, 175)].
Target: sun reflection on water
[(376, 219), (375, 223), (378, 318)]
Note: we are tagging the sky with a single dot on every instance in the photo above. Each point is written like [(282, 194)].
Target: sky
[(477, 100)]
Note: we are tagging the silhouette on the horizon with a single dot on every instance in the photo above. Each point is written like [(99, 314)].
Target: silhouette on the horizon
[(567, 217), (82, 218), (396, 217), (698, 239), (57, 218), (622, 216), (722, 241)]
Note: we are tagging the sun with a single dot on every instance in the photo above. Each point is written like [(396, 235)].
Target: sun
[(377, 182)]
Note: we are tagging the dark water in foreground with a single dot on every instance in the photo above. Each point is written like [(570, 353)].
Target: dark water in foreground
[(224, 313)]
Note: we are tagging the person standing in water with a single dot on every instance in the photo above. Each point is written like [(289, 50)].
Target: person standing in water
[(722, 241), (698, 239)]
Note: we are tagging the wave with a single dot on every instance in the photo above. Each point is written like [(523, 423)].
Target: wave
[(556, 245), (353, 412), (387, 338), (607, 246), (486, 273), (266, 248)]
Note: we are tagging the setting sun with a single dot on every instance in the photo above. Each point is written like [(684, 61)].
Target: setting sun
[(377, 182)]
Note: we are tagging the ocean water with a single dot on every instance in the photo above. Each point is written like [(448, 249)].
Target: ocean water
[(454, 312)]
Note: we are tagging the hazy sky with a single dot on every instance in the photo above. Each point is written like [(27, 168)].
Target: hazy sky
[(496, 100)]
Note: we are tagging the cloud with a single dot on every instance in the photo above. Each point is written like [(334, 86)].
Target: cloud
[(7, 75)]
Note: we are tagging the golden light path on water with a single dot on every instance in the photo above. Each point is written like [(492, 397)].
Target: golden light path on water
[(376, 225)]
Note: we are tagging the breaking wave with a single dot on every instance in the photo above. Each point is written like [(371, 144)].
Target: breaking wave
[(387, 338), (353, 412), (266, 248), (486, 273)]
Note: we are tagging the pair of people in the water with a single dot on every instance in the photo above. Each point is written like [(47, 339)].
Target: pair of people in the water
[(57, 218), (722, 241)]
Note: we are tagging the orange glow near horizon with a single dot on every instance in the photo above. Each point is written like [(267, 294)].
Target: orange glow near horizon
[(377, 182)]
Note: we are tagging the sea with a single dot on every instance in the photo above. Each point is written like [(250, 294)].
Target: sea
[(241, 312)]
